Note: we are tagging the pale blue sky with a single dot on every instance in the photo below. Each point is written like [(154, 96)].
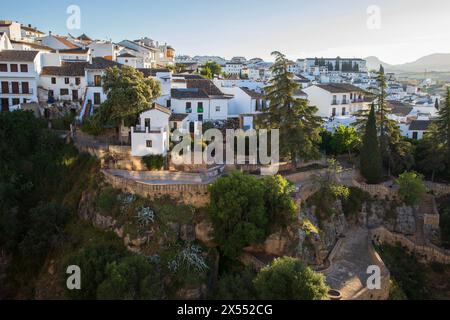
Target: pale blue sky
[(254, 28)]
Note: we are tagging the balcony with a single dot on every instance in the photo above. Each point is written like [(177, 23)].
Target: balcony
[(94, 84), (140, 129)]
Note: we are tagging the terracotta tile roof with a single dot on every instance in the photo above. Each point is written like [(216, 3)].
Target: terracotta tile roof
[(33, 45), (340, 88), (18, 55), (253, 94), (161, 108), (419, 125), (66, 42), (99, 63), (192, 93), (69, 69), (177, 117)]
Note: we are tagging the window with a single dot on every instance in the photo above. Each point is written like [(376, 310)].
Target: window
[(175, 125), (200, 117), (335, 99), (15, 101), (77, 81), (23, 68), (343, 111), (217, 108), (5, 87), (97, 80), (188, 107), (147, 123), (64, 92), (66, 80), (13, 68), (415, 135), (97, 99), (51, 93), (3, 67), (344, 99), (168, 103), (25, 87), (149, 143), (200, 107), (53, 80), (15, 87), (333, 112)]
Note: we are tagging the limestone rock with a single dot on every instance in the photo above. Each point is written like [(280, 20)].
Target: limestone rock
[(405, 222), (203, 233)]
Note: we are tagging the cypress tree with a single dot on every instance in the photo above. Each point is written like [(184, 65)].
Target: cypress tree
[(443, 126), (371, 167)]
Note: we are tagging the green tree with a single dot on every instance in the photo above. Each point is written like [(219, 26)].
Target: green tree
[(370, 151), (45, 230), (430, 154), (128, 94), (93, 261), (412, 187), (443, 127), (236, 286), (299, 126), (133, 278), (279, 204), (288, 279), (211, 69), (345, 140), (238, 213)]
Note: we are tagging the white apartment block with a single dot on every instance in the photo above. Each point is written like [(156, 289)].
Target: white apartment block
[(336, 99), (19, 74)]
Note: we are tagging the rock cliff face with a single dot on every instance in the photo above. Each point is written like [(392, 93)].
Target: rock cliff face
[(400, 219)]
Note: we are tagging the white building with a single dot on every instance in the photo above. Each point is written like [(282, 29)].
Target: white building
[(11, 29), (418, 128), (30, 33), (336, 99), (19, 74), (244, 101), (201, 100), (234, 68), (104, 49), (147, 54), (66, 82), (57, 42)]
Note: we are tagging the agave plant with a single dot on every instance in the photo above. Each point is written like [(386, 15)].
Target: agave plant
[(192, 257), (145, 216), (126, 199)]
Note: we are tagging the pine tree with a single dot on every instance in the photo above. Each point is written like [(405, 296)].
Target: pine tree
[(443, 126), (396, 152), (371, 167), (299, 126)]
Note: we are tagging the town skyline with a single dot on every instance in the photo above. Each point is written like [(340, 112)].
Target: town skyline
[(291, 27)]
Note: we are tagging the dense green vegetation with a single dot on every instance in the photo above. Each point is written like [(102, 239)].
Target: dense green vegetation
[(153, 162), (288, 279), (412, 187), (245, 209), (371, 164)]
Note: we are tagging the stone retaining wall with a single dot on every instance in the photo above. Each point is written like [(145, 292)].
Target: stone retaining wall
[(196, 195), (425, 253)]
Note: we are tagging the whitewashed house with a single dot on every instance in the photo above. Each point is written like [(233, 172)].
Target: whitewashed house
[(76, 54), (104, 49), (30, 33), (147, 54), (66, 82), (201, 100), (418, 128), (19, 74), (12, 29), (57, 42), (5, 43), (334, 100), (151, 135)]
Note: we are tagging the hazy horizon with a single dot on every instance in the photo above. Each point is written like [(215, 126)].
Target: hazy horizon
[(404, 31)]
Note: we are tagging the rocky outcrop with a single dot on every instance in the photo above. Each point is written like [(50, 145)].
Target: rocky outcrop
[(203, 233)]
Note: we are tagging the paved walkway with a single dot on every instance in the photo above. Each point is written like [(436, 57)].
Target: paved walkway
[(348, 270)]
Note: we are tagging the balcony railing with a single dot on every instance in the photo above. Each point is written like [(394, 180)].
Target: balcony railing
[(140, 129), (94, 84)]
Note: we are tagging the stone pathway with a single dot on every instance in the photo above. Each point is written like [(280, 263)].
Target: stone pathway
[(348, 270)]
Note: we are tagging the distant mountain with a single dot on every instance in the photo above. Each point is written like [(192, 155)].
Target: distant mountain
[(439, 62)]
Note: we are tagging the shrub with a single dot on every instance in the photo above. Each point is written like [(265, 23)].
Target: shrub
[(153, 162), (352, 205), (236, 286), (412, 187), (288, 279), (107, 199)]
